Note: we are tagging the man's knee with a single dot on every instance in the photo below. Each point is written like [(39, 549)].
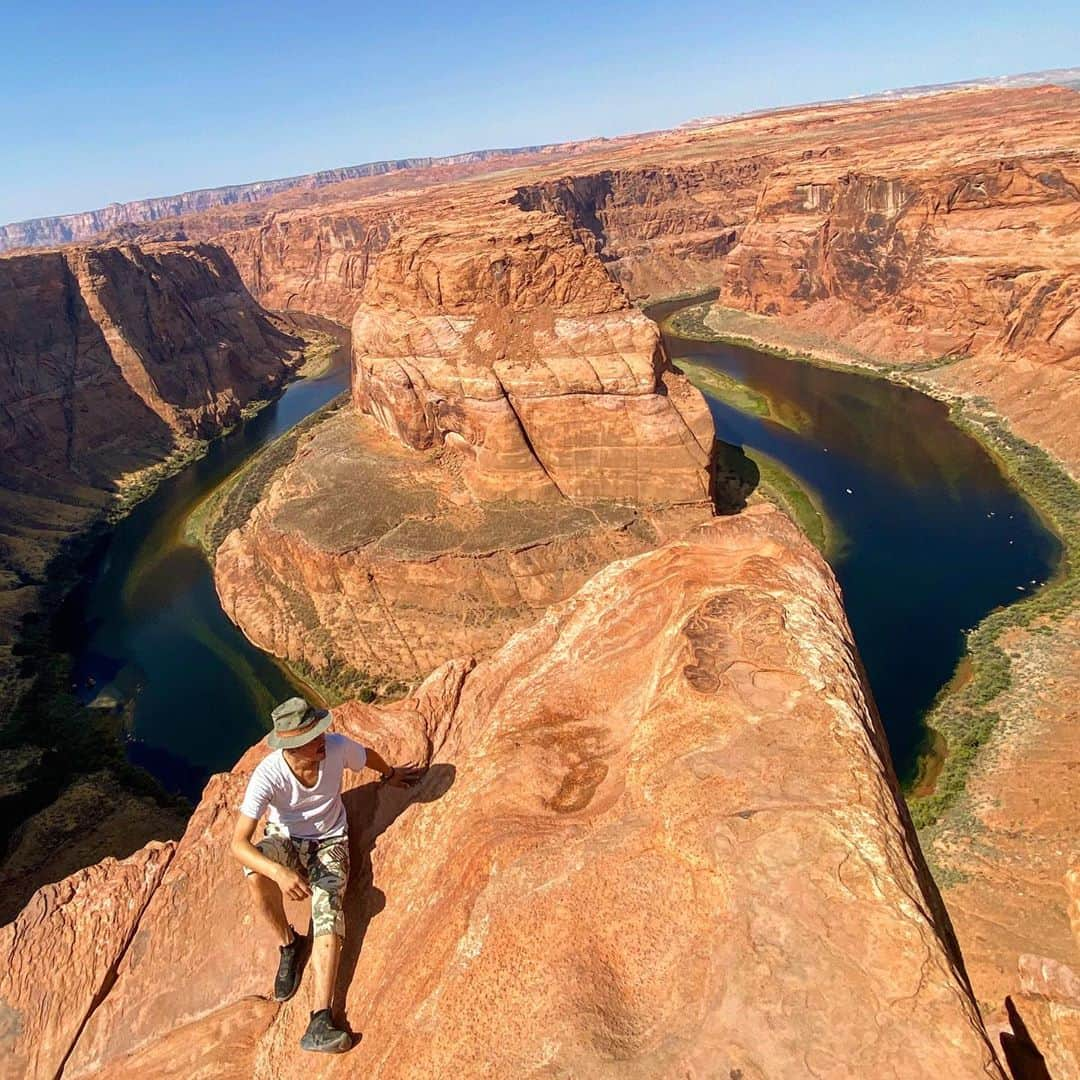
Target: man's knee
[(327, 916)]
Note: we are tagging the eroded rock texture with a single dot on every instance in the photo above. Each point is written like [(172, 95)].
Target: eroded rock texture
[(60, 957), (659, 836), (110, 359), (501, 337)]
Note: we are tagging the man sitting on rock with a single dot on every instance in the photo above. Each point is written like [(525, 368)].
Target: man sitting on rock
[(305, 850)]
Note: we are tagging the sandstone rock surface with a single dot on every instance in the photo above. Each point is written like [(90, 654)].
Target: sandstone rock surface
[(519, 426), (366, 559), (659, 836), (499, 335), (60, 955), (906, 229)]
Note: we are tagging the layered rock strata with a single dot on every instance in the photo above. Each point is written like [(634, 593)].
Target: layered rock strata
[(111, 359), (500, 337), (658, 836)]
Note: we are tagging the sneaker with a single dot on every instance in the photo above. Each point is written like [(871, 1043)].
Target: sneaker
[(288, 972), (321, 1035)]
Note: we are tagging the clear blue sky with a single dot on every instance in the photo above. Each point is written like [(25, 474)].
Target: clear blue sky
[(104, 102)]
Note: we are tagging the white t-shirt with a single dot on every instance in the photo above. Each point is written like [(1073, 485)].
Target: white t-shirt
[(308, 813)]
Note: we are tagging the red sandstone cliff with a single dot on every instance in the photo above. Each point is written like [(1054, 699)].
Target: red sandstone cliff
[(659, 836), (109, 358)]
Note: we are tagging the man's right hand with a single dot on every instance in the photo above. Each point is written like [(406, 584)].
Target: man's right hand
[(292, 884)]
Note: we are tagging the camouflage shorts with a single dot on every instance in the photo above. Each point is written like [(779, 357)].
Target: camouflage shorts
[(325, 863)]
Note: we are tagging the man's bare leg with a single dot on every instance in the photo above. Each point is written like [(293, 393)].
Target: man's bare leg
[(324, 959), (271, 907)]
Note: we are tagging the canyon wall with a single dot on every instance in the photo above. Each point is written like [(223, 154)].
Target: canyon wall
[(660, 229), (658, 836), (110, 359)]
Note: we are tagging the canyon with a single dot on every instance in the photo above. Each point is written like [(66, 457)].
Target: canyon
[(625, 860), (514, 514), (115, 364)]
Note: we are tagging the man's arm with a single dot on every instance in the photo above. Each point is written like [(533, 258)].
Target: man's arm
[(247, 854)]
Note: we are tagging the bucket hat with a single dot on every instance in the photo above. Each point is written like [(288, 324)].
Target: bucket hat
[(295, 723)]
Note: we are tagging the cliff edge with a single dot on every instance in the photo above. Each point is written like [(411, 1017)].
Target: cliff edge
[(659, 835)]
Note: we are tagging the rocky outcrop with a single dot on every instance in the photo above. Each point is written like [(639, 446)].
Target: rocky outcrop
[(61, 954), (111, 359), (658, 836), (368, 561), (501, 337)]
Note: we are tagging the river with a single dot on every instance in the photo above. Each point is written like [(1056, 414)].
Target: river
[(932, 538), (145, 624)]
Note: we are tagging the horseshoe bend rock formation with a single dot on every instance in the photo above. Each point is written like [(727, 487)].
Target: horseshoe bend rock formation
[(518, 427), (659, 836), (109, 359), (496, 333)]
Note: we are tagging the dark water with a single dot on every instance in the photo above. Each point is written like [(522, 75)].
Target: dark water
[(933, 538), (146, 625)]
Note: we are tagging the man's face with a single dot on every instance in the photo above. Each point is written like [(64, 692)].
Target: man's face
[(311, 751)]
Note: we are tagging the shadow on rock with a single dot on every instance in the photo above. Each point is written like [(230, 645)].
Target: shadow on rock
[(734, 477), (371, 809), (1023, 1057)]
